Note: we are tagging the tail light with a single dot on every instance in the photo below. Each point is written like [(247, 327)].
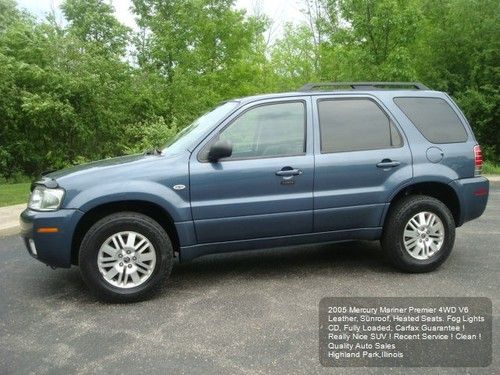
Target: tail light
[(478, 160)]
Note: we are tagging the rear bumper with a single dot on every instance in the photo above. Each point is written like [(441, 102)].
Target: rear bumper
[(473, 195), (53, 249)]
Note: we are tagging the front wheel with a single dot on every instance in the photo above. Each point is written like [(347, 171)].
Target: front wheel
[(125, 256), (419, 233)]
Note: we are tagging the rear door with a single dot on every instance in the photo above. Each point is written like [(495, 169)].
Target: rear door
[(361, 158), (265, 188)]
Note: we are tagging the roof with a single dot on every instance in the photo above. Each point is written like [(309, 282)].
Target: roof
[(394, 88)]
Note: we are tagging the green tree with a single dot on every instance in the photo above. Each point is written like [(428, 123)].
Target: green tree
[(91, 88), (459, 52), (93, 22), (369, 39), (293, 58), (199, 50), (62, 100)]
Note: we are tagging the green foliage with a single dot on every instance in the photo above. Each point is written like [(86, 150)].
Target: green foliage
[(148, 135), (199, 50), (92, 88), (93, 22), (67, 95), (293, 58), (461, 55), (491, 168)]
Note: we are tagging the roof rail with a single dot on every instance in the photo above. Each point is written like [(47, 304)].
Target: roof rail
[(363, 85)]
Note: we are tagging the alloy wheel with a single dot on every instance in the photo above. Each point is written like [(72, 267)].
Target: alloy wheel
[(423, 235), (126, 259)]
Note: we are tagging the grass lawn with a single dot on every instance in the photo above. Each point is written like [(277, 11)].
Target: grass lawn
[(490, 168), (14, 193)]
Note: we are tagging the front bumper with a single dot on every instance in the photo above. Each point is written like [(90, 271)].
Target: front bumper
[(473, 195), (53, 249)]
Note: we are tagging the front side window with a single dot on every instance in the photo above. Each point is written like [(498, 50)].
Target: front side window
[(355, 125), (266, 131)]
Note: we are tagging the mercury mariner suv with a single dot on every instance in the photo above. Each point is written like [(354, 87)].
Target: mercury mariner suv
[(395, 162)]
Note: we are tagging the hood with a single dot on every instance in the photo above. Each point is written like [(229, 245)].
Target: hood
[(119, 170), (97, 166)]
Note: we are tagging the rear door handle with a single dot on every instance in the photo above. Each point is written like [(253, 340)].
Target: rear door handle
[(285, 172), (388, 163)]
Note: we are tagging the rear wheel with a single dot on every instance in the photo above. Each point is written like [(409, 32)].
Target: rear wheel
[(419, 233), (125, 257)]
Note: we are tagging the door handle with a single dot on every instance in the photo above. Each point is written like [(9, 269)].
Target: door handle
[(287, 171), (388, 163)]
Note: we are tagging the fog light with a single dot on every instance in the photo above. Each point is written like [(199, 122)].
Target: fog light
[(32, 246)]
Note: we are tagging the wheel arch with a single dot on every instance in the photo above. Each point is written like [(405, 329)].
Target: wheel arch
[(439, 190), (152, 210)]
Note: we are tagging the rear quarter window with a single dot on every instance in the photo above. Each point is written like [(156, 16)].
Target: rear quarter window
[(434, 118)]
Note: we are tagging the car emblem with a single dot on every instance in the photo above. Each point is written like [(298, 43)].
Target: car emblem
[(179, 187)]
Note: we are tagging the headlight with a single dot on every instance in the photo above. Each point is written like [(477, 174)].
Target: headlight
[(45, 199)]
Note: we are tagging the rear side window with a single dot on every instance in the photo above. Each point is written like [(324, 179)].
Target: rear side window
[(355, 125), (434, 118)]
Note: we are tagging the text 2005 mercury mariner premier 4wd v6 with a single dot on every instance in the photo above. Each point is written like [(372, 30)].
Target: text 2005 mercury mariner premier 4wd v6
[(371, 160)]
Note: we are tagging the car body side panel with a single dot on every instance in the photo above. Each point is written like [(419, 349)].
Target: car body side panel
[(244, 199), (135, 190), (473, 196), (186, 233), (53, 249), (457, 158), (190, 252), (350, 191), (358, 216), (139, 178)]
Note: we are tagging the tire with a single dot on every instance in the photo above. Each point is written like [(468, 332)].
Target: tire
[(132, 248), (398, 230)]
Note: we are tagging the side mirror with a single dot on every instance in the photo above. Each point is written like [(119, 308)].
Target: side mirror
[(220, 149)]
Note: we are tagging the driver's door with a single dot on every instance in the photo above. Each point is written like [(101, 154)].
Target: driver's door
[(265, 188)]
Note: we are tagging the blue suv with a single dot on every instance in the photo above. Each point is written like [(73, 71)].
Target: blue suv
[(395, 162)]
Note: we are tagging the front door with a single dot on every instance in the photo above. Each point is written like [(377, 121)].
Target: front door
[(265, 188), (362, 158)]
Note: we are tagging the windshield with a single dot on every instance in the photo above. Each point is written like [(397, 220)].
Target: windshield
[(187, 136)]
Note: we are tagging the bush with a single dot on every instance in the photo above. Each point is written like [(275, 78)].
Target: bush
[(147, 135)]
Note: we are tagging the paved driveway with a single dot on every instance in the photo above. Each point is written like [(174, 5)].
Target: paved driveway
[(243, 313)]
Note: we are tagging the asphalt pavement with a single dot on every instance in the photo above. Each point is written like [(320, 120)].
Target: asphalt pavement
[(241, 313)]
